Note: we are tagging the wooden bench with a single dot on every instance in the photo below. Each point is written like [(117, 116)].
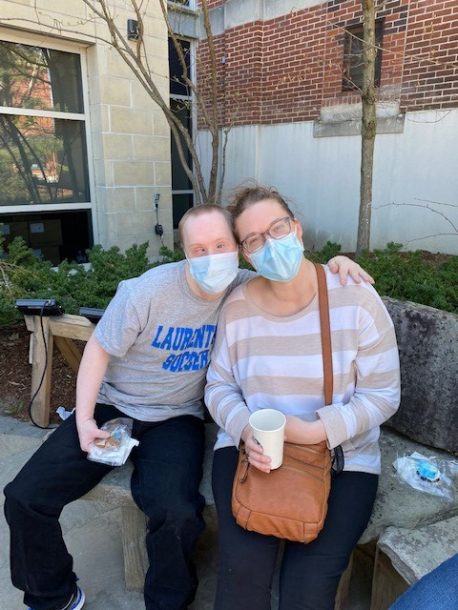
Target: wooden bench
[(47, 332)]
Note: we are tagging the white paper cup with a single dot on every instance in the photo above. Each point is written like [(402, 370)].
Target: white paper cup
[(268, 426)]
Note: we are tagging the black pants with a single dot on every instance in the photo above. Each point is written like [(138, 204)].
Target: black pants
[(165, 483), (310, 573)]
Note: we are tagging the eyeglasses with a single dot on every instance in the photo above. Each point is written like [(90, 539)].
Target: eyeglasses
[(281, 227)]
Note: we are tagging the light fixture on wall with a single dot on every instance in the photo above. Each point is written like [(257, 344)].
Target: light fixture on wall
[(132, 30)]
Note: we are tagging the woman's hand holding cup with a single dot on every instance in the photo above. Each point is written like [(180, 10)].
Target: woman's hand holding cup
[(254, 451), (265, 438)]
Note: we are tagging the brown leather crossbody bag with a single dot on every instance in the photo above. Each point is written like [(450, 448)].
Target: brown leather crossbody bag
[(291, 502)]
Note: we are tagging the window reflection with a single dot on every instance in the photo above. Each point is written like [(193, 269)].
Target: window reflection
[(180, 181), (177, 85), (39, 78), (42, 160)]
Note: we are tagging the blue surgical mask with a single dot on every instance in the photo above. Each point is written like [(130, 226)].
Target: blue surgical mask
[(214, 273), (279, 259)]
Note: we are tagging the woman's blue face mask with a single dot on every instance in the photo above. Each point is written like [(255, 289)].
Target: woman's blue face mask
[(279, 259)]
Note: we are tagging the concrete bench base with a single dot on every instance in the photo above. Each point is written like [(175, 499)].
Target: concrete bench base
[(136, 560), (114, 491), (135, 556), (397, 504), (404, 556)]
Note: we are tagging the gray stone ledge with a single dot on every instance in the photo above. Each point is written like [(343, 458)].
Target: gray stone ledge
[(428, 350), (397, 504), (184, 21), (352, 127), (345, 119), (235, 13), (415, 553)]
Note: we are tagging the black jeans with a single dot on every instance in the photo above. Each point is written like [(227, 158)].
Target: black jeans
[(165, 484), (310, 573)]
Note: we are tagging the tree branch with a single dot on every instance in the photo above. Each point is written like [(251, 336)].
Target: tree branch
[(422, 207)]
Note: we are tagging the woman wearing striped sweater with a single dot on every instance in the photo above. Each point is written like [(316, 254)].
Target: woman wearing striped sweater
[(267, 354)]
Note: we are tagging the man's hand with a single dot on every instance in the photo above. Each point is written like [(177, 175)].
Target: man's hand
[(92, 369), (344, 266), (89, 432)]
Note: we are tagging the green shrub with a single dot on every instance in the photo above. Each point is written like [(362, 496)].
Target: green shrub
[(109, 267), (414, 277), (431, 280), (329, 250), (24, 276), (170, 256)]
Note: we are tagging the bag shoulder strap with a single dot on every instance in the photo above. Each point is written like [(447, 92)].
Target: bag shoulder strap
[(326, 347)]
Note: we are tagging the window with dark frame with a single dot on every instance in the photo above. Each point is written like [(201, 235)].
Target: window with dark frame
[(181, 105), (43, 156), (44, 173), (352, 77)]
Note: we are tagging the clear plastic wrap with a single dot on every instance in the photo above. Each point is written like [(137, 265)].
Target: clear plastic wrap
[(115, 449), (428, 474)]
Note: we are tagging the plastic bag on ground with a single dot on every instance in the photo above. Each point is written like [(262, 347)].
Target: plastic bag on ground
[(428, 474)]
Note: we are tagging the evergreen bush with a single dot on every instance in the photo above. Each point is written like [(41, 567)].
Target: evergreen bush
[(404, 275)]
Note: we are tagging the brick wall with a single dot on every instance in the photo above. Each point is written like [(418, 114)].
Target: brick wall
[(346, 13), (430, 78), (292, 66), (285, 69), (211, 3)]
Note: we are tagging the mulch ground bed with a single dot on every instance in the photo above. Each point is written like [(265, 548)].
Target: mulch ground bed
[(16, 375)]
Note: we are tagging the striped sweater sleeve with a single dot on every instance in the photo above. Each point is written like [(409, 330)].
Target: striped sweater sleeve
[(377, 390), (223, 396)]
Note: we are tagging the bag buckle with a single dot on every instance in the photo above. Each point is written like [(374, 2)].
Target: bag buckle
[(338, 460)]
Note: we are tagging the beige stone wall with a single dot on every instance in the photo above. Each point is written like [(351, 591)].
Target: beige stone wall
[(128, 137)]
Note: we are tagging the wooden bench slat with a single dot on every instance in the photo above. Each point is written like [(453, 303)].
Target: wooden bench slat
[(72, 327), (41, 359), (72, 355)]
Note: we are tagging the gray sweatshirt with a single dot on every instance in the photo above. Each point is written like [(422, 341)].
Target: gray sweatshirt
[(159, 335)]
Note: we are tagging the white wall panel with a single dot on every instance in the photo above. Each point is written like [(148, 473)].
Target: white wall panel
[(320, 176)]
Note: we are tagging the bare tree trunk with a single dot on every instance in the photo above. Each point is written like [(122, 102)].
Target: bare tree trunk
[(222, 175), (368, 126), (214, 131), (135, 56)]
